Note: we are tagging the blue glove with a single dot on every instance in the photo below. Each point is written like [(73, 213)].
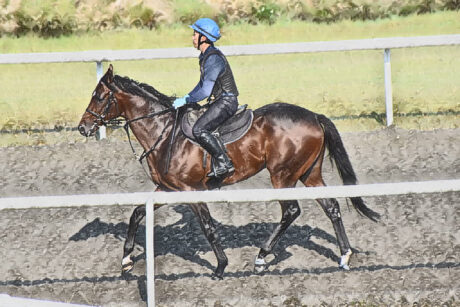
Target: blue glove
[(179, 102)]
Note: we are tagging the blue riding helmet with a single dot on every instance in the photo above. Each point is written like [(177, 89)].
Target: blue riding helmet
[(208, 28)]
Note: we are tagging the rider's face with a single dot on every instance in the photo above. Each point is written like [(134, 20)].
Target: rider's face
[(196, 36)]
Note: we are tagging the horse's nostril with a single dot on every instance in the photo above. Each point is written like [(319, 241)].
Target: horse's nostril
[(82, 130)]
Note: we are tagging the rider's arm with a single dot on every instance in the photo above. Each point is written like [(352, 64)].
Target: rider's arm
[(213, 66)]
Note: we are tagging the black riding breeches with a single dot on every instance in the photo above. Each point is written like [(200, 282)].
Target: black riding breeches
[(218, 112)]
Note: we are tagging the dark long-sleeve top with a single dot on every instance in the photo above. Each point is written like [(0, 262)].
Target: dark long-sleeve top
[(213, 67)]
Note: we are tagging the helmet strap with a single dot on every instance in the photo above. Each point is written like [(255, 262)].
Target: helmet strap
[(207, 41)]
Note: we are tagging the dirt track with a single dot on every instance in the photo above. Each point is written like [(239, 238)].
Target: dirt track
[(73, 255)]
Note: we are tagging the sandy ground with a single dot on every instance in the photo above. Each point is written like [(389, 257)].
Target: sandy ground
[(73, 255)]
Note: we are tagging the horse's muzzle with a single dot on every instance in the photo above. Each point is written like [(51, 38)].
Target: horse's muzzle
[(83, 131), (86, 131)]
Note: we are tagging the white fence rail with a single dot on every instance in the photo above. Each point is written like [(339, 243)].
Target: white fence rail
[(11, 301), (386, 44), (221, 196), (237, 50), (248, 195)]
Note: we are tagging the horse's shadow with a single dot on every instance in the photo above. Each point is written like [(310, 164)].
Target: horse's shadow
[(185, 239)]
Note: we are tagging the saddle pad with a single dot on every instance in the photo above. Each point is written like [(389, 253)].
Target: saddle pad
[(230, 131)]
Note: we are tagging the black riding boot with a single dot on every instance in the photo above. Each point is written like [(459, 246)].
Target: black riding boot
[(222, 166)]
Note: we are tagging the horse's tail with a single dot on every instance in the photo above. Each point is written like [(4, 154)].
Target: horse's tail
[(338, 154)]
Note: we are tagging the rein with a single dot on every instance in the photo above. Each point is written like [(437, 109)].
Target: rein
[(145, 153), (113, 100)]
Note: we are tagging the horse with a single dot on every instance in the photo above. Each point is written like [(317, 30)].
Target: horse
[(288, 140)]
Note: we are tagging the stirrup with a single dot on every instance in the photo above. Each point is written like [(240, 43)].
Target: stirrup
[(221, 169), (221, 173)]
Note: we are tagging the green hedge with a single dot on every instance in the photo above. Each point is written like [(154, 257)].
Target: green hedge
[(53, 18)]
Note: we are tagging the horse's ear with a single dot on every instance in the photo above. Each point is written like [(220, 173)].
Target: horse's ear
[(109, 74)]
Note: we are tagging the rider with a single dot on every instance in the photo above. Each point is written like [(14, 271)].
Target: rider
[(218, 85)]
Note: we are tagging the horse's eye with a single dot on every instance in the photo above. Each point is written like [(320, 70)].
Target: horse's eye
[(100, 97)]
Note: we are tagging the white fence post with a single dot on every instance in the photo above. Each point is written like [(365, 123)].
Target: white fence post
[(149, 252), (101, 133), (388, 90)]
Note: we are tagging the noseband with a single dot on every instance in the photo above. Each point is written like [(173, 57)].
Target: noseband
[(101, 117)]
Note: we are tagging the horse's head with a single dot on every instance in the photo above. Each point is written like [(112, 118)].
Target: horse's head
[(103, 106)]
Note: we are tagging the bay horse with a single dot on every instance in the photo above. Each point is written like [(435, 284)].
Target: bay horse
[(288, 140)]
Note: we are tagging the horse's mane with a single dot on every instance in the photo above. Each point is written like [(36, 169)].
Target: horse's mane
[(142, 90)]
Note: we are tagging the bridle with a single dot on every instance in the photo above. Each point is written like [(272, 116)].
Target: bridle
[(112, 100), (101, 117)]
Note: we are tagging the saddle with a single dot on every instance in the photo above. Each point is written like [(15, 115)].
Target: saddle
[(230, 131)]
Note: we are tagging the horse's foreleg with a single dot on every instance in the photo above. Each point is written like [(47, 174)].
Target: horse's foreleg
[(332, 210), (290, 211), (136, 217), (201, 210)]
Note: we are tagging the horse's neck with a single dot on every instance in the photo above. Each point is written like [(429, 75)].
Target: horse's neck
[(147, 131)]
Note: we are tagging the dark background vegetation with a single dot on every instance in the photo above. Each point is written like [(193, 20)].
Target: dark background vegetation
[(52, 18)]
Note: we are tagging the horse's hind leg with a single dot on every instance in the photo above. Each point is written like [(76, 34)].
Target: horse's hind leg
[(201, 210), (290, 210), (332, 210)]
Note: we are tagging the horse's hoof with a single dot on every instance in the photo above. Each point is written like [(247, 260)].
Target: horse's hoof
[(344, 259), (214, 276), (260, 265), (259, 268), (127, 264), (127, 268)]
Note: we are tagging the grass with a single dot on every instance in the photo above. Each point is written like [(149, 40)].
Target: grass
[(334, 83)]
